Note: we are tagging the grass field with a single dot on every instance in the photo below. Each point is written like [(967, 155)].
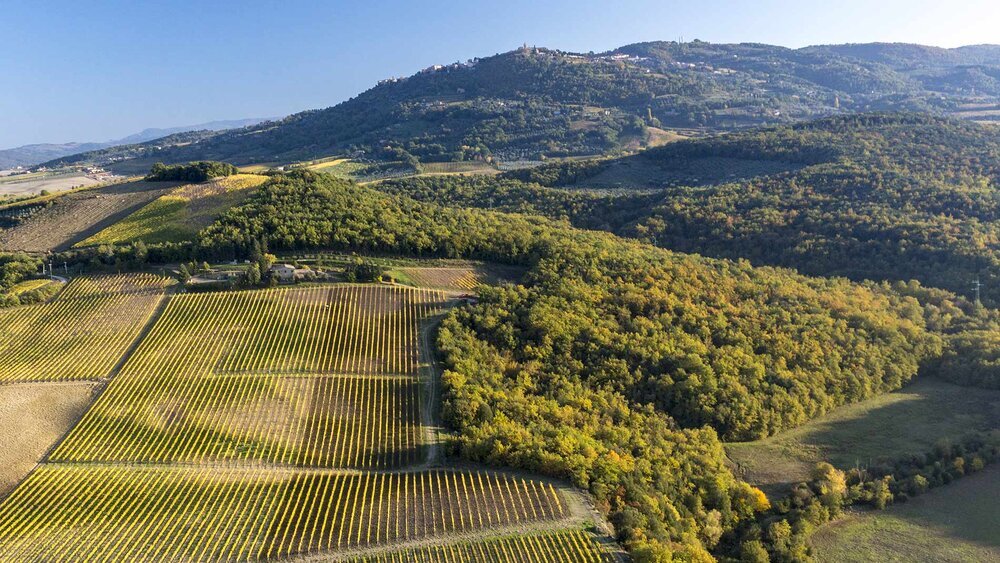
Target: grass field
[(79, 335), (566, 545), (67, 219), (179, 214), (956, 523), (911, 420), (77, 513), (272, 375)]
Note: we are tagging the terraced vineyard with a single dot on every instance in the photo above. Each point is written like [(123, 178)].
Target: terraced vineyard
[(29, 285), (80, 335), (322, 377), (566, 545), (84, 512)]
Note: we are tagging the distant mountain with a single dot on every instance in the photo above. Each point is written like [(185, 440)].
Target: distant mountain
[(30, 155), (534, 103), (908, 56)]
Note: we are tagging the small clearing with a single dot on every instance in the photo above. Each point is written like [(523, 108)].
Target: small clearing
[(955, 523), (910, 420), (33, 416)]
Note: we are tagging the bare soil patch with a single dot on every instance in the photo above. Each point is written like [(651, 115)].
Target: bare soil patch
[(33, 416), (54, 183)]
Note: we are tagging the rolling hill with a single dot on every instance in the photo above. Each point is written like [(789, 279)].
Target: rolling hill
[(533, 103), (770, 285), (30, 155)]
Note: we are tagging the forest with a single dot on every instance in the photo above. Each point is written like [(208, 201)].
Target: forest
[(879, 197), (190, 172)]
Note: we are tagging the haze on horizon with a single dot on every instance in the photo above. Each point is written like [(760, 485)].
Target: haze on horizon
[(96, 72)]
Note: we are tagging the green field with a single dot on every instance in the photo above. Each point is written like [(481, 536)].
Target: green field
[(911, 420), (957, 523)]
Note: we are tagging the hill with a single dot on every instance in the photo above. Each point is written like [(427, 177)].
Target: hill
[(30, 155), (535, 103)]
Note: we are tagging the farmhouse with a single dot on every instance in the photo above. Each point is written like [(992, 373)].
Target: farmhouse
[(283, 272), (288, 273)]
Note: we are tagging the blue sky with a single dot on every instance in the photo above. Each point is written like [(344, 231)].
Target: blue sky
[(85, 71)]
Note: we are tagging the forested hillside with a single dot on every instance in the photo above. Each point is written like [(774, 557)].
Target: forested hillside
[(615, 364), (535, 103), (876, 196)]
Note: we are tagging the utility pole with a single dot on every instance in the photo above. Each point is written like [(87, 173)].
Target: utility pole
[(977, 286)]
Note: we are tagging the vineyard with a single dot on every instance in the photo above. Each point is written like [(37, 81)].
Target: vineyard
[(460, 277), (76, 216), (467, 167), (443, 278), (566, 545), (261, 424), (91, 286), (79, 335), (322, 377), (73, 513), (179, 214)]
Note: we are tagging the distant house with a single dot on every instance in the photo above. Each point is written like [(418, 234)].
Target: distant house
[(283, 272), (286, 273)]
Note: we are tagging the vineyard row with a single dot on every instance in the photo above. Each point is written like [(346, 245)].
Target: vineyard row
[(73, 513)]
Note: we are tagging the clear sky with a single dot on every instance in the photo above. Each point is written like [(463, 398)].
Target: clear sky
[(88, 71)]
